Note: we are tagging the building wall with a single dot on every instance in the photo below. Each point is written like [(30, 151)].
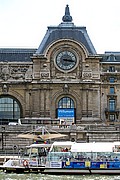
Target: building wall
[(41, 85)]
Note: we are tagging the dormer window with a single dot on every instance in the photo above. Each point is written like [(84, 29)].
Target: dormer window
[(111, 57)]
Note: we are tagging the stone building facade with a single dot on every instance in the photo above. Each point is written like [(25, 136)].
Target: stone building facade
[(63, 79)]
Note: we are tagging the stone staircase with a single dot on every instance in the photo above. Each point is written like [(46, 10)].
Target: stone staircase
[(9, 141), (103, 137), (103, 133)]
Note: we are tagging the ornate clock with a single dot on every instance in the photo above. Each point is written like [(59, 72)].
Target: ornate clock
[(66, 60)]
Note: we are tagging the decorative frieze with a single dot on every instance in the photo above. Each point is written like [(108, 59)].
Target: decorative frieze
[(9, 72)]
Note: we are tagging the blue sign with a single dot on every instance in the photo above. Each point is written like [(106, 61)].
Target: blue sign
[(66, 112)]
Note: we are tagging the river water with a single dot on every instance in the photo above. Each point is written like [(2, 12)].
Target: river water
[(12, 176)]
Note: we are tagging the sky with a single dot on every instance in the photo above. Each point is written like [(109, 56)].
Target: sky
[(23, 23)]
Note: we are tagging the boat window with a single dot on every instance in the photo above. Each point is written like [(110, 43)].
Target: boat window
[(34, 152), (116, 148), (94, 156), (59, 156), (43, 151), (60, 149), (26, 152)]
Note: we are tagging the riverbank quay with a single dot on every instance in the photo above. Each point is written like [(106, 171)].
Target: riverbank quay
[(10, 144)]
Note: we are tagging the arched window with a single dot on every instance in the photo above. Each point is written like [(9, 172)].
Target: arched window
[(9, 108), (66, 102), (66, 111)]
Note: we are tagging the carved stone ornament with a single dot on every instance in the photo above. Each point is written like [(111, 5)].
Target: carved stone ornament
[(13, 72), (18, 72), (87, 75), (66, 88), (5, 89), (44, 74), (5, 72)]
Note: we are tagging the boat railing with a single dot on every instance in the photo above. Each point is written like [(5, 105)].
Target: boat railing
[(28, 161), (37, 161), (87, 156), (58, 156)]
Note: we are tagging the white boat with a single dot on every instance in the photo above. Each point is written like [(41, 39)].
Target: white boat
[(83, 158), (68, 157), (33, 158)]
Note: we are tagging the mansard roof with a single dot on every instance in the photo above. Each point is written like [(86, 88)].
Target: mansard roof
[(111, 57), (16, 55), (66, 30)]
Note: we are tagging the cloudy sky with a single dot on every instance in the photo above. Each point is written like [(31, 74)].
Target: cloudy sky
[(23, 23)]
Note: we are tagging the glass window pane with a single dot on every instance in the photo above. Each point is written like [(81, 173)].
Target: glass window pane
[(112, 79), (112, 90), (111, 69), (112, 117), (66, 102), (9, 108), (112, 105)]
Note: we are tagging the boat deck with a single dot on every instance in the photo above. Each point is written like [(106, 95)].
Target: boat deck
[(5, 158)]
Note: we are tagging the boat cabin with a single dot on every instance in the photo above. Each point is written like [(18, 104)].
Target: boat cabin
[(72, 151), (37, 150), (60, 150), (105, 151)]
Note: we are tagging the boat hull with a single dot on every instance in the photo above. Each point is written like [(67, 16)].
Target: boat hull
[(22, 169), (71, 171), (62, 171)]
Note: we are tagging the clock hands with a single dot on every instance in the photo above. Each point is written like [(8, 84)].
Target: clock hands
[(69, 60)]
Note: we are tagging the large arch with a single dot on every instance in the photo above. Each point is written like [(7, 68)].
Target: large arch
[(77, 98), (61, 43), (10, 109), (66, 110)]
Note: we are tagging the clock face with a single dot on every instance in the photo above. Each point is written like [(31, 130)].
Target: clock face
[(66, 60)]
